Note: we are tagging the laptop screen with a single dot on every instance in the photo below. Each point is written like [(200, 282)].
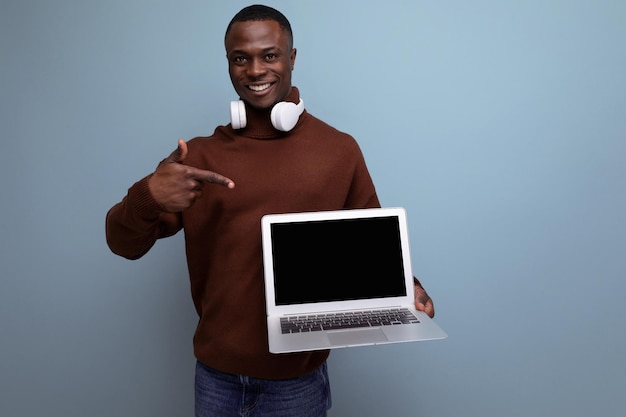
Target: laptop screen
[(334, 260)]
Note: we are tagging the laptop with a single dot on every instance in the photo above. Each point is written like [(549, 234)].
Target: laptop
[(336, 279)]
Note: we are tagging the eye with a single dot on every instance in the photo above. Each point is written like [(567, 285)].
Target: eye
[(271, 57), (239, 59)]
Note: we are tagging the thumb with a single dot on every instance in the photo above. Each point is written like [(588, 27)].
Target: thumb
[(179, 155)]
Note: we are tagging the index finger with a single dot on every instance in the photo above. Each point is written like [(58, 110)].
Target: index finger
[(212, 177)]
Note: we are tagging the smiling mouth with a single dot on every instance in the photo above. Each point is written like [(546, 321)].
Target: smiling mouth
[(258, 88)]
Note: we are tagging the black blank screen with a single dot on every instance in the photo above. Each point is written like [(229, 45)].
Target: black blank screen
[(351, 259)]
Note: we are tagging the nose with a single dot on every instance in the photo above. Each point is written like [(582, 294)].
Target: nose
[(256, 68)]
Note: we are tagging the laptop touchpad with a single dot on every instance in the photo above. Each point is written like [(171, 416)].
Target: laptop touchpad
[(356, 337)]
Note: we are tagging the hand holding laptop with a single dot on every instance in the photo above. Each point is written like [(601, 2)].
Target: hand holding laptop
[(422, 300)]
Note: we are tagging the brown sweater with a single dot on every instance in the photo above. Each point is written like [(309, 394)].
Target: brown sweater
[(313, 167)]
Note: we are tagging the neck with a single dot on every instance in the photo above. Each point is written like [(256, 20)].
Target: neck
[(259, 124)]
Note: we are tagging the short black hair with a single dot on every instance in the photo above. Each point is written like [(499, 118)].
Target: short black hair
[(259, 12)]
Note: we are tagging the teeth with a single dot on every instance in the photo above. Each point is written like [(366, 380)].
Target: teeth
[(259, 87)]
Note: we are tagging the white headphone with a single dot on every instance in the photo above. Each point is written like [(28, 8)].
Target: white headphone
[(284, 115)]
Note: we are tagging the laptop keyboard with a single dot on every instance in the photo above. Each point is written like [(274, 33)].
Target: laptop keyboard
[(347, 320)]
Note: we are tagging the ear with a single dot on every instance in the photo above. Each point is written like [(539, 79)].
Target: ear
[(292, 57)]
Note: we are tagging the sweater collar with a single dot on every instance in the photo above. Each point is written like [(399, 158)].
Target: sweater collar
[(259, 124)]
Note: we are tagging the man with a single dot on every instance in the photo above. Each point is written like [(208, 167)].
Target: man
[(307, 167)]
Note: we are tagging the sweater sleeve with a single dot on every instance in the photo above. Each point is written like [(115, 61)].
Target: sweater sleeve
[(362, 190), (134, 224)]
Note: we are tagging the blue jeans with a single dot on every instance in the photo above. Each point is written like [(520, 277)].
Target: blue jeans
[(225, 395)]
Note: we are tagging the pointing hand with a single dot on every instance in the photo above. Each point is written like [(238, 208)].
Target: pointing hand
[(176, 186)]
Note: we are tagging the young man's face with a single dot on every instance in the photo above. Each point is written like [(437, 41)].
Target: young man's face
[(260, 61)]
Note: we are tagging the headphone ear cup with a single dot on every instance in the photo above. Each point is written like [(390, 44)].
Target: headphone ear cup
[(285, 115), (278, 115), (238, 117)]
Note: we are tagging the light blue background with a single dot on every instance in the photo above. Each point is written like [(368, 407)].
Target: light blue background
[(499, 125)]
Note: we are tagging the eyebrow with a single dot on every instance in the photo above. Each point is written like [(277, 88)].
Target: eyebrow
[(263, 51)]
